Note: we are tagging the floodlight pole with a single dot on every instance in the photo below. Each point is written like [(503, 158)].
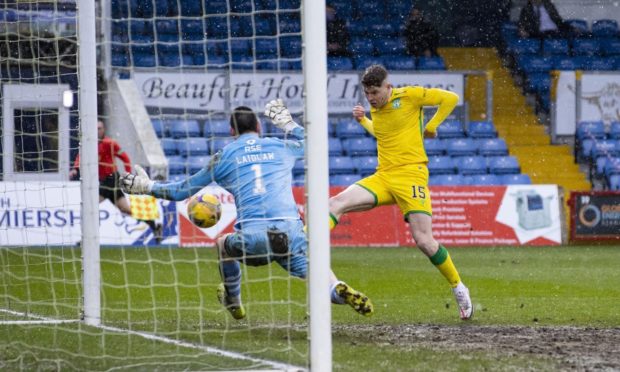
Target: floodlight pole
[(317, 183)]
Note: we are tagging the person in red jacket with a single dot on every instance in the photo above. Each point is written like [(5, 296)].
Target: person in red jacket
[(109, 178)]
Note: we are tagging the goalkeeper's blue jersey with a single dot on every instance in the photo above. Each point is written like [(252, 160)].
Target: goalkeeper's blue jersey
[(255, 170)]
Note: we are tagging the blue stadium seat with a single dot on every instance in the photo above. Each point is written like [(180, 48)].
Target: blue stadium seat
[(359, 146), (265, 26), (184, 128), (516, 179), (613, 182), (217, 27), (434, 146), (600, 64), (241, 46), (344, 179), (579, 25), (215, 7), (290, 46), (361, 47), (217, 128), (539, 82), (267, 48), (365, 165), (400, 63), (289, 26), (441, 165), (584, 149), (481, 129), (430, 63), (339, 63), (196, 163), (461, 147), (169, 146), (493, 147), (177, 165), (390, 46), (451, 129), (299, 168), (191, 8), (349, 128), (605, 28), (614, 132), (361, 62), (612, 166), (504, 165), (168, 55), (555, 46), (446, 180), (218, 143), (566, 63), (599, 166), (335, 146), (607, 148), (193, 146), (610, 46), (524, 46), (160, 129), (485, 180), (533, 63), (590, 129), (470, 165), (340, 165), (510, 31), (588, 47), (143, 59)]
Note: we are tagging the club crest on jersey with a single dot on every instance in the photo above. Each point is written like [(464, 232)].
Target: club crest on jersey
[(396, 103)]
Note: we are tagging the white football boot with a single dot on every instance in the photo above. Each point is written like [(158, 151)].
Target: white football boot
[(461, 294)]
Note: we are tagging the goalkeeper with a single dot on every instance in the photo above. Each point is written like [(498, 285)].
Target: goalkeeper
[(257, 171), (402, 174)]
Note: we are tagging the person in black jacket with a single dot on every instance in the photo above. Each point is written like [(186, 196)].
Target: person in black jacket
[(337, 34), (540, 19), (422, 38)]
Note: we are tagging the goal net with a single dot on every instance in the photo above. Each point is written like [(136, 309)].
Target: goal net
[(168, 73)]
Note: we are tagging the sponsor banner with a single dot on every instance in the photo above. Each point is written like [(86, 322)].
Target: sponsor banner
[(48, 213), (599, 100), (207, 91), (595, 215)]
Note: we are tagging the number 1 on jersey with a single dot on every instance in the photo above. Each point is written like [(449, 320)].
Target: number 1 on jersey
[(259, 187)]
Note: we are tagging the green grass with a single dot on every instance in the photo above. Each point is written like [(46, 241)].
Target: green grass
[(171, 293)]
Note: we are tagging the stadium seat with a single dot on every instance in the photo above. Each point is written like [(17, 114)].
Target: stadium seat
[(334, 146), (461, 147), (451, 129), (588, 47), (390, 46), (599, 166), (359, 146), (215, 7), (493, 147), (481, 129), (605, 28), (217, 128), (470, 165), (441, 165), (365, 165), (590, 129), (434, 146), (267, 48), (177, 165), (579, 25), (555, 46), (196, 163), (534, 63), (265, 26), (340, 165), (400, 63), (169, 146), (290, 46), (446, 180), (184, 128), (515, 179), (349, 128), (218, 143), (485, 180), (566, 63), (600, 64), (610, 46), (504, 165), (613, 182), (344, 179), (614, 132), (604, 148), (193, 146), (190, 8), (361, 47), (584, 149), (361, 62), (339, 63), (289, 26), (524, 46), (430, 63), (160, 129), (612, 166), (241, 46)]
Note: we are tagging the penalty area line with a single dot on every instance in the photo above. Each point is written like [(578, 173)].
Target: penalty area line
[(37, 319)]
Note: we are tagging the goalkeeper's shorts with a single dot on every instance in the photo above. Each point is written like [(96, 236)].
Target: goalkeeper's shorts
[(254, 245), (406, 186)]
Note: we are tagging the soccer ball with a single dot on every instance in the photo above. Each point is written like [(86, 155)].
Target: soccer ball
[(204, 210)]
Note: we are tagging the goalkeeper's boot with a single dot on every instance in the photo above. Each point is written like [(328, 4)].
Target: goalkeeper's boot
[(357, 300), (234, 307), (461, 294)]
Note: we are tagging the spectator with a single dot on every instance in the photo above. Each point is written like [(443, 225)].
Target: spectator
[(337, 34), (540, 19), (422, 37), (109, 179)]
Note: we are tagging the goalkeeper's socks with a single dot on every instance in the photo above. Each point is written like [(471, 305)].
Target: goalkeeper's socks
[(231, 276), (333, 221), (443, 262), (336, 298)]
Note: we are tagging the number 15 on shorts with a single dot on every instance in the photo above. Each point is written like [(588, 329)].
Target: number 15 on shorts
[(419, 192)]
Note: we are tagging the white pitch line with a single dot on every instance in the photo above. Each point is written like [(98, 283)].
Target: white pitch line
[(212, 350)]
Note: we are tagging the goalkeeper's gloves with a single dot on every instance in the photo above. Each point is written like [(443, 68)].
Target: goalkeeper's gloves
[(138, 183), (279, 115)]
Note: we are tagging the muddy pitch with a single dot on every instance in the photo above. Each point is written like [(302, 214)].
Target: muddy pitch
[(591, 349)]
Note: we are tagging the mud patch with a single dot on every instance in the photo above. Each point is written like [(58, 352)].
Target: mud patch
[(573, 348)]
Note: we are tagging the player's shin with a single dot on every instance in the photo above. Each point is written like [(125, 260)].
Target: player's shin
[(441, 259), (230, 271)]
